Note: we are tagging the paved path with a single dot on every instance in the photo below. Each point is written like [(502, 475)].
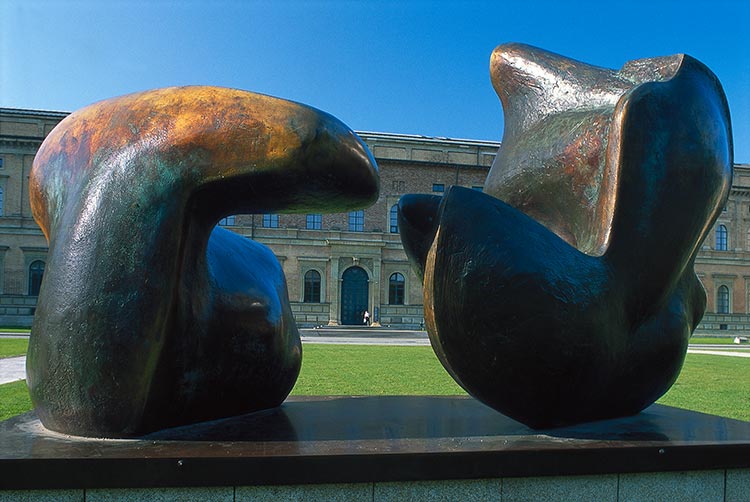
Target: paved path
[(12, 369), (732, 353), (366, 340)]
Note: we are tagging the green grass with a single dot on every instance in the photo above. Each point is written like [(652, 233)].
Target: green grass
[(352, 370), (709, 384), (712, 384), (10, 347), (724, 340), (14, 399), (14, 330)]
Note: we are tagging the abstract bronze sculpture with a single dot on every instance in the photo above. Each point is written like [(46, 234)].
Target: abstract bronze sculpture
[(149, 317), (566, 293)]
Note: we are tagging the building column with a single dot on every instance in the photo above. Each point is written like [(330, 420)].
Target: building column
[(334, 289)]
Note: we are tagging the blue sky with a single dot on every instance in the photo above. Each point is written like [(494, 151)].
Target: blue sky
[(405, 67)]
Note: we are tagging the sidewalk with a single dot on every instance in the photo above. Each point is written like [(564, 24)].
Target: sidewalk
[(12, 369)]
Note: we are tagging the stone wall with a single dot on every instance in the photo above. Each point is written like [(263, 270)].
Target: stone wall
[(693, 486)]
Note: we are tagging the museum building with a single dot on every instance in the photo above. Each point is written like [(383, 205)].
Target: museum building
[(337, 265)]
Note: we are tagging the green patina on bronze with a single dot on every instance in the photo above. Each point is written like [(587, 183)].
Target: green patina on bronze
[(148, 316)]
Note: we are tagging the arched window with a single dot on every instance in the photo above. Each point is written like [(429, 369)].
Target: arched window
[(312, 287), (357, 221), (227, 222), (721, 238), (394, 219), (36, 271), (396, 289), (270, 221), (1, 201), (722, 300)]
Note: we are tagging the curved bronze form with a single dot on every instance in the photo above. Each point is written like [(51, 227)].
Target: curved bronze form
[(149, 317), (567, 293)]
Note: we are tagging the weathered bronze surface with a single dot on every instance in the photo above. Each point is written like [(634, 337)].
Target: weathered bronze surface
[(149, 317), (566, 293)]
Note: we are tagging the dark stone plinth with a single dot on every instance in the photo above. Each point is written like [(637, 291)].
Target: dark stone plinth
[(357, 439)]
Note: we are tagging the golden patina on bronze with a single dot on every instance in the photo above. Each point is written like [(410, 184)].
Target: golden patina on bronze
[(148, 315), (566, 293)]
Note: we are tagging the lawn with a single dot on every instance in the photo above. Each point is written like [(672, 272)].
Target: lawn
[(723, 340), (713, 384), (14, 399), (709, 384), (10, 347), (363, 370)]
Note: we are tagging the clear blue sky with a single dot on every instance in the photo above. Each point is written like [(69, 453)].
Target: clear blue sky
[(405, 67)]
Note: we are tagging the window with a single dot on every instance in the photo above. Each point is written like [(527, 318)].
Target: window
[(396, 289), (312, 287), (722, 300), (270, 221), (1, 201), (394, 219), (357, 221), (314, 221), (1, 162), (721, 238), (36, 272), (227, 222), (438, 187)]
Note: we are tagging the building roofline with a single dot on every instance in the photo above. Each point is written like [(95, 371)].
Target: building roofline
[(391, 136), (36, 113), (365, 135)]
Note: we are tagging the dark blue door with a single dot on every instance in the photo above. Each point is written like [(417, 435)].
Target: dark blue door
[(354, 295)]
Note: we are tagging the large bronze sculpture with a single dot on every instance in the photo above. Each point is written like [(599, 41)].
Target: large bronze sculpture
[(566, 292), (149, 317)]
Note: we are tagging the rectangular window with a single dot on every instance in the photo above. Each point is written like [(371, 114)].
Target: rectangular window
[(314, 221), (394, 219), (227, 222), (270, 221), (438, 187), (1, 162), (357, 221)]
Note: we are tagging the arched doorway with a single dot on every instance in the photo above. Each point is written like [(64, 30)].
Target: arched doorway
[(354, 295)]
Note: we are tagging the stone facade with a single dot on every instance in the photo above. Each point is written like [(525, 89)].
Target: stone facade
[(351, 261)]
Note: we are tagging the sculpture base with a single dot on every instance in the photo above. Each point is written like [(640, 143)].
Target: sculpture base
[(314, 440)]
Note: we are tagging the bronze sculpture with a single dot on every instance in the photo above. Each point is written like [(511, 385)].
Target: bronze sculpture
[(566, 293), (570, 295), (149, 317)]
